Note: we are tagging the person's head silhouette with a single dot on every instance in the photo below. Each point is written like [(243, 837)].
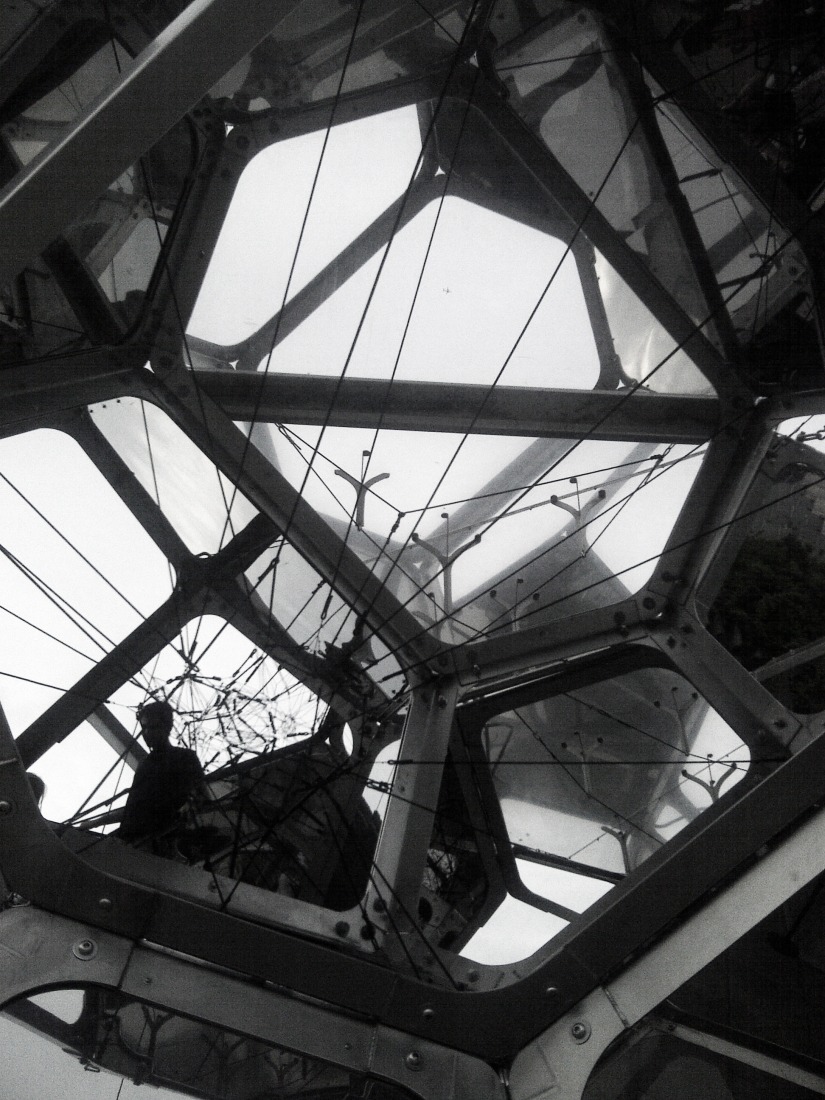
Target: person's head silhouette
[(156, 720)]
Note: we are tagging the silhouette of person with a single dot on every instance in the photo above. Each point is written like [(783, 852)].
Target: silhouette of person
[(163, 783)]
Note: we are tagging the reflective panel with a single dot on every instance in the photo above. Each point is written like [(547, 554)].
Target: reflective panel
[(575, 77), (103, 1045), (568, 793), (756, 263), (92, 281), (667, 1067), (767, 607), (316, 53)]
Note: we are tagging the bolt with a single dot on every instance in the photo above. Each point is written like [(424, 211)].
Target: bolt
[(5, 808), (442, 702), (580, 1031), (379, 905), (413, 1060), (648, 603), (84, 950), (342, 928), (368, 932)]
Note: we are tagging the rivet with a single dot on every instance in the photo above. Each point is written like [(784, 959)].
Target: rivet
[(368, 931), (413, 1060), (84, 950), (442, 702), (551, 991), (580, 1031), (648, 603), (105, 904), (5, 808), (428, 1013), (472, 975), (341, 928), (379, 905)]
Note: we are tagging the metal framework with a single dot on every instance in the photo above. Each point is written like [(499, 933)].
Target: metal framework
[(368, 966)]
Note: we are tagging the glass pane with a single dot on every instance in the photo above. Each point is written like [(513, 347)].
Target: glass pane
[(266, 252), (301, 61), (757, 266), (572, 85), (293, 794), (767, 609), (648, 354), (116, 1046), (79, 572), (662, 1067), (200, 502), (477, 534), (606, 774)]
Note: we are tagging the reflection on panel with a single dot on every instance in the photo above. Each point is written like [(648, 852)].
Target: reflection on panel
[(548, 803), (103, 1045), (664, 1067), (770, 581)]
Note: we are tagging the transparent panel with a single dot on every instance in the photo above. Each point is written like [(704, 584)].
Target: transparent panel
[(103, 1045), (202, 504), (302, 61), (474, 534), (659, 1066), (293, 791), (78, 571), (769, 582), (757, 266), (606, 774), (267, 251), (461, 292), (546, 806), (648, 353), (579, 90), (41, 110)]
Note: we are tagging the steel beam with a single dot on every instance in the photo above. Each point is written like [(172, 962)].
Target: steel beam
[(347, 263), (557, 1065), (588, 219), (127, 658), (446, 407), (513, 1005), (39, 952), (117, 737), (32, 393), (212, 430), (154, 91)]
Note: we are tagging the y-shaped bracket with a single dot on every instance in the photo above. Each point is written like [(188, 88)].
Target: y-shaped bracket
[(579, 513), (446, 562), (714, 787), (360, 488)]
